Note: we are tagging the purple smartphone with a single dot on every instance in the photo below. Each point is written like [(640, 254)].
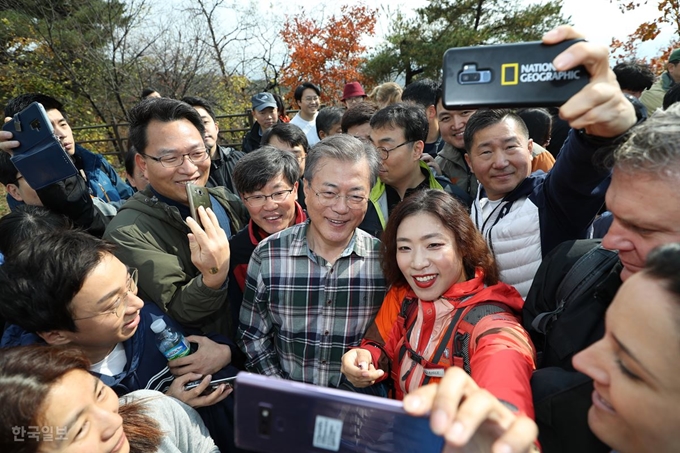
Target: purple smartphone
[(275, 415)]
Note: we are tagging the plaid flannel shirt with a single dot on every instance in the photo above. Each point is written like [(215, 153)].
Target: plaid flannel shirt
[(300, 314)]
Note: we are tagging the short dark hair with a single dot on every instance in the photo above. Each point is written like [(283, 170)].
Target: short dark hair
[(280, 106), (439, 94), (538, 122), (470, 243), (17, 104), (662, 264), (357, 115), (327, 118), (26, 222), (343, 148), (254, 170), (422, 92), (634, 76), (165, 110), (484, 118), (195, 101), (41, 277), (287, 133), (147, 91), (8, 172), (302, 87), (130, 163), (671, 97), (411, 118)]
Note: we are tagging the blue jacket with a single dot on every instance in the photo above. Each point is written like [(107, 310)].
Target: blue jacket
[(102, 178), (147, 368)]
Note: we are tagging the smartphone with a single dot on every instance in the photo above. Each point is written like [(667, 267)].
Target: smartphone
[(39, 158), (275, 415), (509, 75), (197, 196), (213, 384)]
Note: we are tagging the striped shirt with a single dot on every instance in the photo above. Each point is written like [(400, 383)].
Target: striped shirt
[(300, 314)]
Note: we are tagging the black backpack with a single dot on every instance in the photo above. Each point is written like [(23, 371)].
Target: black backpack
[(564, 313)]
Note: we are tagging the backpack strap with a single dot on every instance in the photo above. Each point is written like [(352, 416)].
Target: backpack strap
[(586, 272), (472, 317), (460, 328)]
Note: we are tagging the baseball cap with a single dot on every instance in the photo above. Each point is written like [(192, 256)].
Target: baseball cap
[(675, 56), (263, 100)]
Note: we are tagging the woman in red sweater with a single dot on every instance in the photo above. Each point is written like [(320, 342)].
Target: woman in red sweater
[(445, 308)]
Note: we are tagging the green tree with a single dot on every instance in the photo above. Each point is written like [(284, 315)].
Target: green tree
[(416, 46)]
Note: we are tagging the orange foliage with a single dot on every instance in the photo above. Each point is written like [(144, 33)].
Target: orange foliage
[(669, 15), (327, 54)]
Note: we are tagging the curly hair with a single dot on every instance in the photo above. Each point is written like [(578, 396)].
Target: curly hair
[(469, 241)]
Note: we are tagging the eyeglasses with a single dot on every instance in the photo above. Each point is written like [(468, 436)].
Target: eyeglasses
[(256, 201), (385, 153), (196, 156), (121, 301), (354, 100), (328, 199)]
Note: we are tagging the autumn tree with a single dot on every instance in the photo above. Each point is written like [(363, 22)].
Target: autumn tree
[(415, 47), (669, 15), (328, 53)]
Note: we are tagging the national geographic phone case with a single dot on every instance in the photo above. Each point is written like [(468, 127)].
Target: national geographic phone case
[(40, 158), (509, 75)]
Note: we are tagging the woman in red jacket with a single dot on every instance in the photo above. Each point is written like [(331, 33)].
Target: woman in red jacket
[(445, 308)]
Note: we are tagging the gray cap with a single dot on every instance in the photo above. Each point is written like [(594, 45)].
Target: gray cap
[(263, 100)]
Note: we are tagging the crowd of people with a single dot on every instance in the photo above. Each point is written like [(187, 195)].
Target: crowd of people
[(387, 246)]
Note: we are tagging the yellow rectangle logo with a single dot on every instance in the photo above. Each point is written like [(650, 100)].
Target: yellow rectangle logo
[(510, 74)]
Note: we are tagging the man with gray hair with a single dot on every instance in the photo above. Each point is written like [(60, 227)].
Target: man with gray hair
[(646, 169), (312, 289)]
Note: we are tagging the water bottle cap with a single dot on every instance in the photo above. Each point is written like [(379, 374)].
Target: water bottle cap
[(158, 326)]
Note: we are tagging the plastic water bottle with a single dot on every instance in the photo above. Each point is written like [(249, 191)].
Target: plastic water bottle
[(172, 344)]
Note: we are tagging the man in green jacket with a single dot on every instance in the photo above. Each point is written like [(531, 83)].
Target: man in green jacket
[(653, 97), (398, 132), (182, 266)]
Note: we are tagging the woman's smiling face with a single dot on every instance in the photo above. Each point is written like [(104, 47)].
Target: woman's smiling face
[(428, 256)]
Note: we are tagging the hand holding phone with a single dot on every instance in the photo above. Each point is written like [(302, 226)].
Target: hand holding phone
[(197, 197), (601, 108), (509, 75), (229, 381), (39, 158)]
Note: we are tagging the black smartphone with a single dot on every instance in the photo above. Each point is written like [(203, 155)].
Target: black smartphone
[(279, 416), (197, 196), (39, 158), (213, 384), (509, 75)]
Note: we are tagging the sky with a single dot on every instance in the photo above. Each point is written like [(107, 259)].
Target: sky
[(598, 20)]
